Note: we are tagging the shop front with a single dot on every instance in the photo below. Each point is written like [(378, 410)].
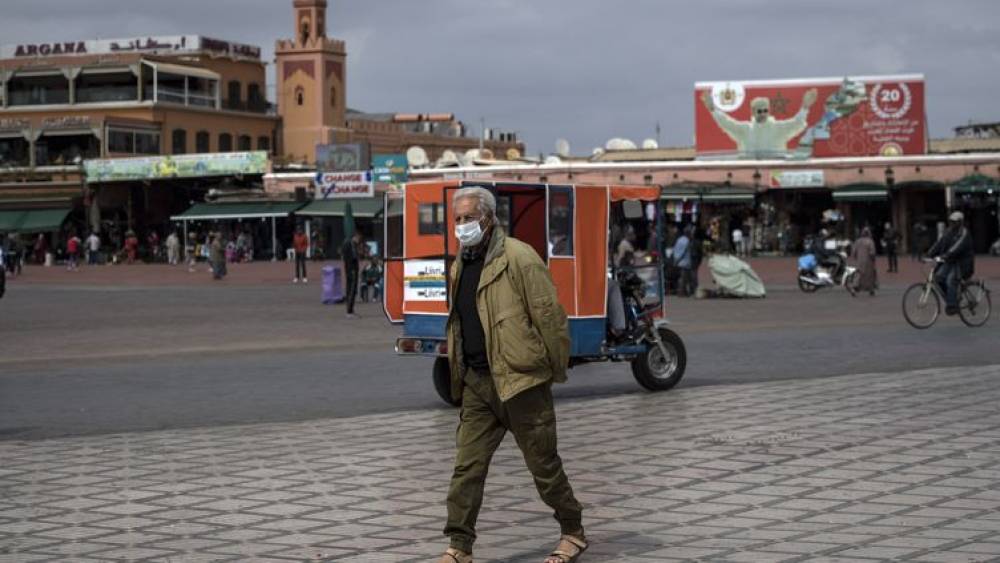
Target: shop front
[(863, 205), (716, 210), (325, 222), (265, 227), (978, 198)]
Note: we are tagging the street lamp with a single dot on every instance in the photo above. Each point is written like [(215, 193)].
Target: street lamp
[(890, 182)]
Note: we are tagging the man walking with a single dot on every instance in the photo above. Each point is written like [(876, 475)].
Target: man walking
[(350, 252), (300, 244), (93, 248), (507, 342)]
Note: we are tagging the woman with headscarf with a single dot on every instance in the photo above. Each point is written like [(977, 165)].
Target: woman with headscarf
[(863, 254)]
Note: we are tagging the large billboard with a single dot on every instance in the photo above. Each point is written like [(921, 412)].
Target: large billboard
[(816, 117), (175, 166), (343, 157)]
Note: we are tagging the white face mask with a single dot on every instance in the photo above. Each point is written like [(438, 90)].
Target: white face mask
[(469, 234)]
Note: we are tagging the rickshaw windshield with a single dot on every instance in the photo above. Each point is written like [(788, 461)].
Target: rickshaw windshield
[(635, 243)]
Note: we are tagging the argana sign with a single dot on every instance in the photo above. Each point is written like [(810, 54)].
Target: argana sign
[(817, 117), (161, 44)]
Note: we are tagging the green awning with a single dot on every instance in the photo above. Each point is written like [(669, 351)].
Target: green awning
[(976, 183), (42, 220), (366, 208), (9, 220), (240, 210), (33, 220), (861, 193)]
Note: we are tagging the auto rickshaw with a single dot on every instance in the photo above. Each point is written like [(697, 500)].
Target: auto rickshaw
[(577, 230)]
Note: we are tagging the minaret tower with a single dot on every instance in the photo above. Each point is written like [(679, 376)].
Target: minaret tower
[(311, 89)]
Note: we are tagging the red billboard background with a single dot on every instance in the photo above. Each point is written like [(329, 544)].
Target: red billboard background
[(857, 116)]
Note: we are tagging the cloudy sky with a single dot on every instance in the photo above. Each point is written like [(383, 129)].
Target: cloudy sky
[(586, 70)]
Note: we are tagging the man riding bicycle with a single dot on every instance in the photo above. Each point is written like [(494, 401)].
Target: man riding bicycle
[(954, 252)]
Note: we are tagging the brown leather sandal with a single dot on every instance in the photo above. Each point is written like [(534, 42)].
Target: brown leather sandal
[(568, 550), (452, 555)]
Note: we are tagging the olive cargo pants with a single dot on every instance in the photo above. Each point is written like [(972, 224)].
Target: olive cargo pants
[(531, 418)]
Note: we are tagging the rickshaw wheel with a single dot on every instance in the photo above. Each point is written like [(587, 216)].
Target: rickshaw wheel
[(656, 373), (442, 381)]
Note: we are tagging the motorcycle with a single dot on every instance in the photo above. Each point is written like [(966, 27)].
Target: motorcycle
[(814, 276), (657, 354)]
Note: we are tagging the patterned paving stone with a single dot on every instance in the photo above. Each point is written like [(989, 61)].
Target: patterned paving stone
[(902, 466)]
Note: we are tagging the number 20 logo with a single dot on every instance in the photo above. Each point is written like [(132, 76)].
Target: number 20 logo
[(890, 97)]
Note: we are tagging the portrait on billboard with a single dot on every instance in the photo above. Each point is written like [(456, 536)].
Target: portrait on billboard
[(761, 136), (781, 119)]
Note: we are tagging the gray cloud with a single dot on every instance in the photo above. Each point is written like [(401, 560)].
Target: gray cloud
[(586, 70)]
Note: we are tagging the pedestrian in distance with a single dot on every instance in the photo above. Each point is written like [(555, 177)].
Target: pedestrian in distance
[(218, 257), (72, 252), (14, 254), (173, 248), (682, 259), (300, 245), (93, 248), (41, 247), (503, 376), (918, 240), (190, 248), (890, 242), (351, 252), (3, 272), (697, 251), (372, 275), (131, 246), (738, 241), (863, 255)]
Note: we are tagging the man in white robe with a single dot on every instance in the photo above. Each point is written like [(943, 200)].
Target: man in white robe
[(763, 136)]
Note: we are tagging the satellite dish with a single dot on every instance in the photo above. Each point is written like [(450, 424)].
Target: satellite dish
[(470, 156), (416, 156), (598, 151), (562, 148), (553, 159), (650, 144), (486, 154), (448, 158), (513, 154), (619, 144)]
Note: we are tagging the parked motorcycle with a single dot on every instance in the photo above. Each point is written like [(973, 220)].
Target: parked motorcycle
[(814, 276)]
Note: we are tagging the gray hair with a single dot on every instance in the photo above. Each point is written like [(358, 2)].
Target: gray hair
[(487, 203)]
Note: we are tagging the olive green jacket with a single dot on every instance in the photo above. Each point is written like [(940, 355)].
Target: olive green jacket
[(527, 334)]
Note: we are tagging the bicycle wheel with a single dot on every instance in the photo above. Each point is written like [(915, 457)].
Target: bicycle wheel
[(974, 305), (851, 284), (921, 305)]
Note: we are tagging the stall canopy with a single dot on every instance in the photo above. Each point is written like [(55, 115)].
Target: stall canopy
[(861, 192), (720, 194), (366, 208), (32, 220), (242, 210)]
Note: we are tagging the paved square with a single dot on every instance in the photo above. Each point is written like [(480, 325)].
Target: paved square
[(900, 466)]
